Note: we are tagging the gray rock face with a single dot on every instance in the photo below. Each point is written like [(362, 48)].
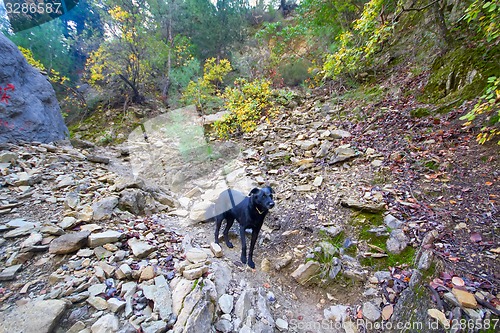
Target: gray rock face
[(41, 316), (31, 113)]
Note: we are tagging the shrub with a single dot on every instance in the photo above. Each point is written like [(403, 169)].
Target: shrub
[(247, 102), (204, 93), (489, 105)]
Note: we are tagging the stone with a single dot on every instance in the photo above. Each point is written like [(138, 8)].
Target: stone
[(69, 243), (97, 289), (68, 222), (440, 316), (97, 302), (32, 112), (305, 272), (10, 272), (85, 214), (116, 305), (199, 211), (104, 208), (306, 144), (105, 237), (243, 304), (108, 323), (425, 261), (18, 232), (181, 290), (465, 298), (392, 222), (147, 273), (224, 326), (397, 241), (195, 273), (196, 255), (303, 188), (226, 303), (367, 207), (336, 313), (340, 134), (107, 268), (318, 181), (157, 326), (371, 311), (123, 272), (132, 200), (34, 239), (265, 265), (324, 149), (161, 295), (8, 157), (52, 229), (342, 154), (72, 200), (34, 316), (216, 250), (281, 325), (76, 327), (139, 248)]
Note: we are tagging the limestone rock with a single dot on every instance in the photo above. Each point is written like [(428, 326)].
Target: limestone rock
[(196, 255), (305, 272), (69, 243), (38, 316), (342, 154), (9, 273), (106, 324), (102, 238), (139, 248), (32, 111), (397, 241), (104, 208), (226, 303), (367, 207), (371, 311), (465, 298)]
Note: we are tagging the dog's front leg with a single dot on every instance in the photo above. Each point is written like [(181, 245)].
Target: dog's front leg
[(255, 233), (243, 245)]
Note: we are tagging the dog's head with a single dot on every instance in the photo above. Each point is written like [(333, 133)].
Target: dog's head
[(262, 197)]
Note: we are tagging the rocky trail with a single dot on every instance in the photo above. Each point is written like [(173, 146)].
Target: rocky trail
[(374, 224)]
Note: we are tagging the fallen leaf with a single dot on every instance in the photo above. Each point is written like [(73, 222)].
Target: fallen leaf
[(457, 281), (387, 312), (453, 202), (454, 259), (267, 285), (497, 250), (488, 183), (476, 237)]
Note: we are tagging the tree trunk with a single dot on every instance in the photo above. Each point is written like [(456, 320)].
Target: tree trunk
[(137, 97), (442, 29)]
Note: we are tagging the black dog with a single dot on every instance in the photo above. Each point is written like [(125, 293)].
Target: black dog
[(250, 212)]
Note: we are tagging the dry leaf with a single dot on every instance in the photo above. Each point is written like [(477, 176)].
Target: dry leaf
[(476, 237), (387, 312), (457, 281)]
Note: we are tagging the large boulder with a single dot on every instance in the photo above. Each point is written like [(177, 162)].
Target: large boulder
[(29, 110)]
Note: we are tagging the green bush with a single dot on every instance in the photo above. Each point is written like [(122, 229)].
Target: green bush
[(247, 102)]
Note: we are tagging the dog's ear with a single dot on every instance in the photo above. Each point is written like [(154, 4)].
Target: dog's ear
[(254, 191), (270, 189)]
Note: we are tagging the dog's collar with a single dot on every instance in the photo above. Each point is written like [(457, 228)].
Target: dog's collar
[(259, 210)]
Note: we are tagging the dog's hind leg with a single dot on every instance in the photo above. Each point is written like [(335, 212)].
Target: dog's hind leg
[(243, 245), (255, 233), (218, 223), (229, 224)]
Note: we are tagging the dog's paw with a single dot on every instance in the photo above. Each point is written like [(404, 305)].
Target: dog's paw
[(230, 245), (251, 264)]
